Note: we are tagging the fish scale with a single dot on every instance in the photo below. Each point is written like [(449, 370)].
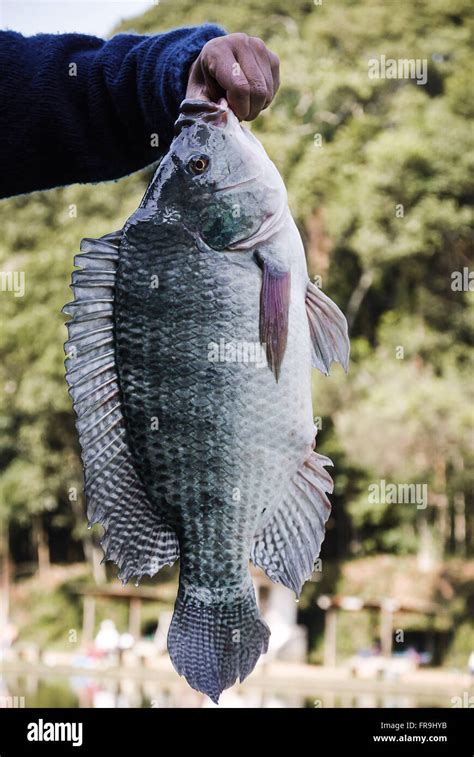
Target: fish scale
[(163, 373), (188, 454)]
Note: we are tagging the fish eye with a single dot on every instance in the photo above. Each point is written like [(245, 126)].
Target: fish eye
[(198, 164)]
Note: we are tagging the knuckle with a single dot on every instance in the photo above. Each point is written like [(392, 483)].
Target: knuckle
[(211, 48), (258, 44), (274, 60), (209, 45), (243, 88), (240, 38), (211, 64), (258, 89)]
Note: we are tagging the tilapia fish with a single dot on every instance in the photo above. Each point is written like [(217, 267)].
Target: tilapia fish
[(189, 357)]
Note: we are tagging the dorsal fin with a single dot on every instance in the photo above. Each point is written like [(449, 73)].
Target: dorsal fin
[(135, 538)]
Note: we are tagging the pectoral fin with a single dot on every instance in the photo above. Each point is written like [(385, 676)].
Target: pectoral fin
[(274, 306), (328, 329)]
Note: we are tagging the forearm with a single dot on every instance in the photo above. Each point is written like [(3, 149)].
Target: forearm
[(76, 108)]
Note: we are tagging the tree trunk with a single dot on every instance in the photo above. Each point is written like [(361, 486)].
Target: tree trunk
[(98, 567), (40, 538), (92, 551), (442, 503), (5, 576), (460, 525), (357, 297), (426, 554)]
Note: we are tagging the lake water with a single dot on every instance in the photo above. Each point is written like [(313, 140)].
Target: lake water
[(81, 691)]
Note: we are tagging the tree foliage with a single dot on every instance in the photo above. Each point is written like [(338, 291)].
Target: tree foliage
[(378, 174)]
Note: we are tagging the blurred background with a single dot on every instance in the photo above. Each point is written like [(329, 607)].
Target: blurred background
[(378, 173)]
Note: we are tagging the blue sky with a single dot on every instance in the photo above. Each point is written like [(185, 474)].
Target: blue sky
[(89, 16)]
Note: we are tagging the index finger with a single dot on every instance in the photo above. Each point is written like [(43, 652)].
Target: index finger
[(227, 72)]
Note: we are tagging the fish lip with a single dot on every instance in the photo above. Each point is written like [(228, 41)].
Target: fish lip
[(200, 105), (192, 111)]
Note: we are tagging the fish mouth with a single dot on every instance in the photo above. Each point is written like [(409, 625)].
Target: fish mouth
[(192, 111)]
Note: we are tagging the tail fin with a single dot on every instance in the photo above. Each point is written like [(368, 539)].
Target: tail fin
[(213, 643)]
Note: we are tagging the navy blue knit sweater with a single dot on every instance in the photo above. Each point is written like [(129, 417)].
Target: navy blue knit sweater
[(75, 108)]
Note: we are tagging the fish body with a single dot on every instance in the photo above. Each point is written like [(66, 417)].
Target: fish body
[(193, 334)]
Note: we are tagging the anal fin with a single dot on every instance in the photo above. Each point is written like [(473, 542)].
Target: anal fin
[(290, 541)]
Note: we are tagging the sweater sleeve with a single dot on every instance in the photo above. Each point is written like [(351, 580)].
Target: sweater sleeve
[(75, 108)]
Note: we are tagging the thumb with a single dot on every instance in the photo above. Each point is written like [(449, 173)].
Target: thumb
[(196, 91), (201, 85)]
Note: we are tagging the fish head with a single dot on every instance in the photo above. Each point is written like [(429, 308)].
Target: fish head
[(219, 180)]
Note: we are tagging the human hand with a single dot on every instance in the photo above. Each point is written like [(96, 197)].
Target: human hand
[(238, 67)]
